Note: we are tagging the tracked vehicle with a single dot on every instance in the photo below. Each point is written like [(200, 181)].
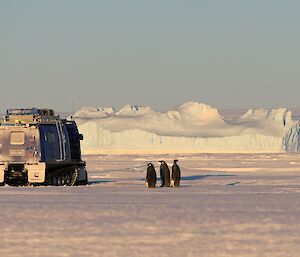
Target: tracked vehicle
[(39, 148)]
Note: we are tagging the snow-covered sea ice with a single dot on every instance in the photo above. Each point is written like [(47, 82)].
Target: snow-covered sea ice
[(228, 205)]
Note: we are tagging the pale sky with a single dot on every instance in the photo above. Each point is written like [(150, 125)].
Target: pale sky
[(65, 54)]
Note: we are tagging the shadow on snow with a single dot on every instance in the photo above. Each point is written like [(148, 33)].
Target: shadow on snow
[(100, 181), (198, 177)]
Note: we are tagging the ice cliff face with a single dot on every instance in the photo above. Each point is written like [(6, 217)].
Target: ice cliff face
[(191, 127), (291, 140)]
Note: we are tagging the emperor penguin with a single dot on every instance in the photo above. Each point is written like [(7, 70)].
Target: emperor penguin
[(176, 174), (151, 176), (164, 174)]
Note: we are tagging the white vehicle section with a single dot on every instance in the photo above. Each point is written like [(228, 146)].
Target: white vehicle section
[(36, 172)]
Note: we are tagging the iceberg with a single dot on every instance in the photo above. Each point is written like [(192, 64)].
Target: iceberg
[(189, 128), (291, 140)]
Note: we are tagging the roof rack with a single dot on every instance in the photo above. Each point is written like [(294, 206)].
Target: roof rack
[(31, 116), (31, 111)]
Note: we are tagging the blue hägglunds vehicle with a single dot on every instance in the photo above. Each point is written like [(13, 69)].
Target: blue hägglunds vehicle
[(39, 148)]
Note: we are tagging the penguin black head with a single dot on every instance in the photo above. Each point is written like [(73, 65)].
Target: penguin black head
[(175, 161), (150, 164), (161, 161)]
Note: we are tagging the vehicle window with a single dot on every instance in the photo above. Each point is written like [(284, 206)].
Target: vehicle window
[(51, 137), (17, 138)]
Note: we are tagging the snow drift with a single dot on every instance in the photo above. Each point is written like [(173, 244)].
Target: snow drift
[(191, 127)]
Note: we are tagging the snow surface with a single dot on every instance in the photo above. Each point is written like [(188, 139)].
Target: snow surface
[(191, 127), (245, 205)]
